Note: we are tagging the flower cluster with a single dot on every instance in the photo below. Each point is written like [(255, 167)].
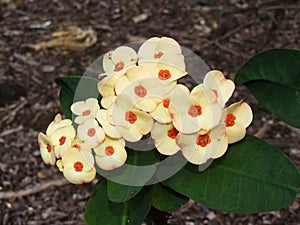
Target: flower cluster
[(140, 96)]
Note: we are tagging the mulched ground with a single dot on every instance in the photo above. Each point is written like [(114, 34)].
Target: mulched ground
[(223, 33)]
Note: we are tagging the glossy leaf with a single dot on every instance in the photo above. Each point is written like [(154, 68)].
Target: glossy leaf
[(101, 211), (76, 88), (125, 182), (274, 79), (253, 176), (165, 199)]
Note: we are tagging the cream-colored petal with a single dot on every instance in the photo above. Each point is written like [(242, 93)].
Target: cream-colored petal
[(59, 165), (142, 126), (164, 136), (211, 110), (145, 93), (119, 59), (235, 133), (90, 133), (63, 132), (75, 177), (62, 147), (57, 123), (85, 109), (163, 49), (46, 149), (109, 129), (106, 88), (222, 148), (222, 87), (158, 69), (179, 105), (242, 111), (111, 154), (75, 154), (161, 113)]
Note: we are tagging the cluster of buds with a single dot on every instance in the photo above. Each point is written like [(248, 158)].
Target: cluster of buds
[(140, 96)]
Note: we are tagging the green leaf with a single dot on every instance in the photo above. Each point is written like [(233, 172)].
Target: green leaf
[(76, 88), (139, 169), (165, 199), (253, 176), (101, 211), (274, 79)]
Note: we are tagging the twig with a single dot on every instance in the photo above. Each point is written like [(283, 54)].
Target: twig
[(36, 189), (228, 34), (230, 50), (261, 132), (11, 131), (12, 113)]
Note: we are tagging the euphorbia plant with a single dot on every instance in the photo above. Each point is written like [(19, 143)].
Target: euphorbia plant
[(154, 142)]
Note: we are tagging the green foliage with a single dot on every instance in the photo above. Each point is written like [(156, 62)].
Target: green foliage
[(76, 88), (165, 199), (101, 211), (274, 79), (143, 169), (253, 176)]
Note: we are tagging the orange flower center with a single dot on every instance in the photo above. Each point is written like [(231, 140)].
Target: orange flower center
[(119, 66), (109, 150), (49, 149), (140, 91), (76, 146), (130, 117), (166, 102), (203, 140), (86, 112), (172, 133), (62, 140), (158, 55), (78, 166), (164, 74), (195, 110), (230, 120), (91, 132)]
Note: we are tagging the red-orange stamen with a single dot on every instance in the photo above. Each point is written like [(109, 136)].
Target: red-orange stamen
[(230, 120), (119, 66), (195, 111), (86, 112), (78, 166), (164, 74), (166, 102), (130, 117), (158, 55), (62, 140), (172, 133), (91, 132), (203, 140), (49, 149), (109, 150), (140, 91)]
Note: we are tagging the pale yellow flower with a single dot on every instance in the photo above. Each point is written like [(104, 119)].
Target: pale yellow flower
[(237, 118), (106, 88), (164, 137), (85, 110), (161, 112), (195, 111), (58, 138), (131, 122), (119, 60), (198, 147), (161, 50), (111, 154), (90, 133), (109, 129), (46, 149), (222, 87), (77, 165)]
